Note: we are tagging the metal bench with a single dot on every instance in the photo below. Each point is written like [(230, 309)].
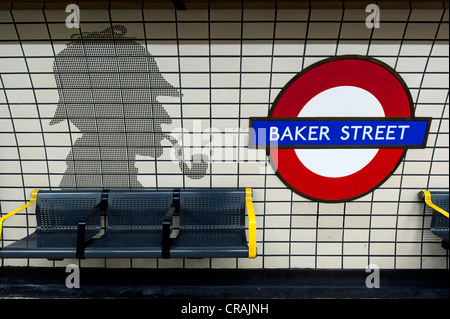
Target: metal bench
[(438, 201), (212, 224), (58, 234), (138, 224), (134, 220)]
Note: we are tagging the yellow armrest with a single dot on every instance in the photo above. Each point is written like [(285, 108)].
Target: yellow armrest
[(33, 198), (427, 199), (251, 223)]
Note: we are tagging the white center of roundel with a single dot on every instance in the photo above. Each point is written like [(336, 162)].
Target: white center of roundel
[(341, 101)]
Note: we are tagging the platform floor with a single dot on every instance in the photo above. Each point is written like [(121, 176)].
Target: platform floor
[(24, 282)]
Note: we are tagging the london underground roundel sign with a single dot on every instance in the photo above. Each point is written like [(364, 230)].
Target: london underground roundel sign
[(340, 128)]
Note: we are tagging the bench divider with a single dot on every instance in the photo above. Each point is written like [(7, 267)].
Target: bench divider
[(82, 243), (167, 224)]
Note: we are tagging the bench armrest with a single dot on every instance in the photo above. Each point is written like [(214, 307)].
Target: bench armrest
[(33, 199), (81, 230), (426, 197), (167, 229), (167, 224), (251, 223)]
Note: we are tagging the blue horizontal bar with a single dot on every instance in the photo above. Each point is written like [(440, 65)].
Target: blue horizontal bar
[(297, 132)]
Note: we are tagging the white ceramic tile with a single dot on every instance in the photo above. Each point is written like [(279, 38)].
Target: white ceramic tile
[(421, 30), (355, 249), (160, 30), (37, 49), (411, 64), (382, 248), (435, 81), (440, 48), (32, 31), (389, 30), (326, 262), (15, 81), (257, 47), (223, 180), (354, 262), (255, 80), (439, 181), (329, 235), (318, 47), (8, 32), (419, 48), (326, 14), (394, 15), (355, 14), (289, 47), (304, 221), (225, 14), (5, 16), (426, 14), (355, 30), (258, 30), (225, 47), (443, 33), (225, 64), (225, 96), (276, 262), (277, 221), (225, 30), (94, 15), (159, 14), (303, 249), (361, 235), (303, 262), (350, 47), (258, 14), (390, 48), (28, 15), (292, 14), (34, 65), (308, 235), (433, 263), (383, 221), (194, 64), (433, 96), (291, 30), (323, 30), (286, 64), (193, 30), (255, 95), (126, 15), (276, 249)]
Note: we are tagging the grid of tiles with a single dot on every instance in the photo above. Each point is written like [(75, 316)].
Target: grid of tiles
[(214, 69)]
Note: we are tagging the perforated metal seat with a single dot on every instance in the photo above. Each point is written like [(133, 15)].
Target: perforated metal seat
[(212, 224), (439, 223), (57, 216), (134, 225), (438, 201)]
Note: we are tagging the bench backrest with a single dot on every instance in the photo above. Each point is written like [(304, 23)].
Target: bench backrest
[(59, 210), (217, 209), (440, 199), (137, 209)]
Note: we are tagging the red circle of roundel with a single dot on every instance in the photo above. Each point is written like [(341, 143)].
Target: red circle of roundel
[(362, 72)]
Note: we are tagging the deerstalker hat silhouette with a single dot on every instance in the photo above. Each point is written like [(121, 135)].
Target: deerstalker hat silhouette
[(108, 86), (96, 65)]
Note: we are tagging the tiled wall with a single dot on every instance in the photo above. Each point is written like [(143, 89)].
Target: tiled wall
[(228, 65)]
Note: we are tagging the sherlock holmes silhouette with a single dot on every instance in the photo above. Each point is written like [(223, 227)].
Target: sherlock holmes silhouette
[(108, 86)]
